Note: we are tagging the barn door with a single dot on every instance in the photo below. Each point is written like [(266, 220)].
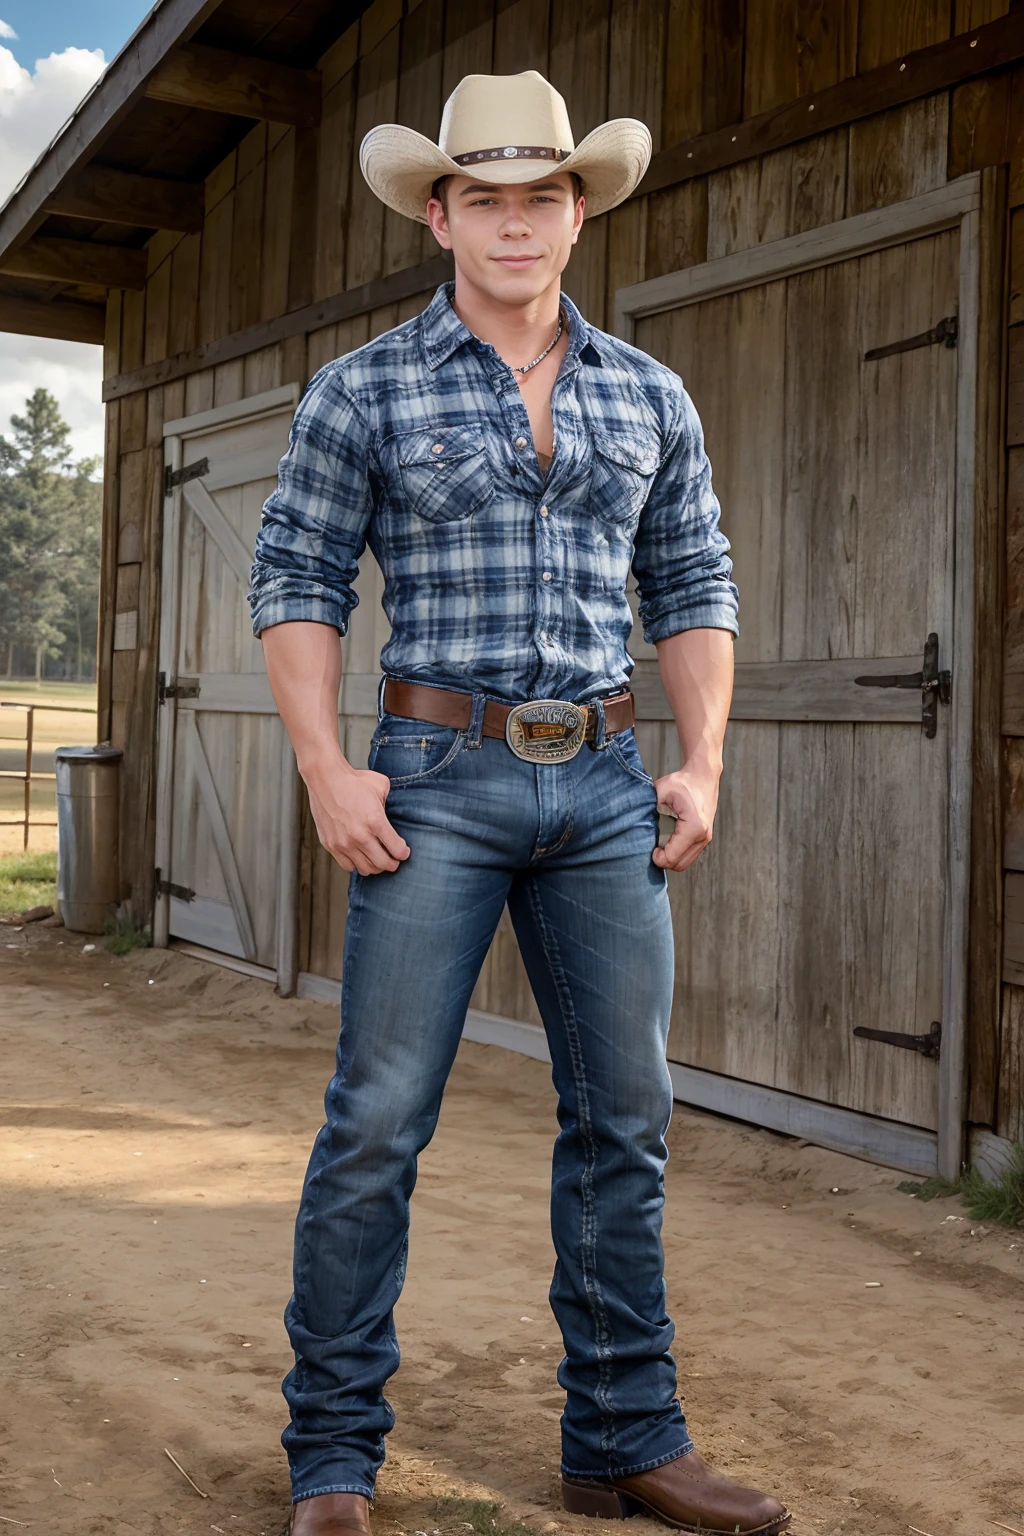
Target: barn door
[(820, 940), (227, 799)]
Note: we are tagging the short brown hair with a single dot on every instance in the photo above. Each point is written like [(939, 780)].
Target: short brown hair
[(440, 189)]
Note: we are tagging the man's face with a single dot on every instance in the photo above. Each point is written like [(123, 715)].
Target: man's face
[(510, 241)]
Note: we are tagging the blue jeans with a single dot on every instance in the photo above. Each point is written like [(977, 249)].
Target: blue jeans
[(568, 847)]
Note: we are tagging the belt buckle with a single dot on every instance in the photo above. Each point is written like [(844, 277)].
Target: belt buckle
[(546, 730)]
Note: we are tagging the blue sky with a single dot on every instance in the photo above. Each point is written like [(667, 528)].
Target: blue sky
[(50, 26), (59, 52)]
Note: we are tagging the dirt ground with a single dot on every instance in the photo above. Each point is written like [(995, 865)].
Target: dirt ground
[(855, 1350)]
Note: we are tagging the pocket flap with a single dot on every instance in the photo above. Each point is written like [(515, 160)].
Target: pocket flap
[(639, 452), (438, 445)]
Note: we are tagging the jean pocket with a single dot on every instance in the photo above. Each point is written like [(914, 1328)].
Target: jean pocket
[(407, 750), (622, 473), (445, 472), (624, 749)]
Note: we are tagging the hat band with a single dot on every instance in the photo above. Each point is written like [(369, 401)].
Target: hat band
[(513, 152)]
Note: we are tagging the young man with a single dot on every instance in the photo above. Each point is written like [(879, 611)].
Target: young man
[(506, 463)]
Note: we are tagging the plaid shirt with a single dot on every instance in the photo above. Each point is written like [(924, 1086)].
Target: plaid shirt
[(496, 575)]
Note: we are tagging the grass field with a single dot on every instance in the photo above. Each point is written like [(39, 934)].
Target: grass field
[(53, 728), (27, 880)]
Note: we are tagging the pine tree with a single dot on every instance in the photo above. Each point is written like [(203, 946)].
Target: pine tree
[(49, 540)]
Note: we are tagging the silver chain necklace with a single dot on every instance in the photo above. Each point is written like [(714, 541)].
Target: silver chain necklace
[(551, 344)]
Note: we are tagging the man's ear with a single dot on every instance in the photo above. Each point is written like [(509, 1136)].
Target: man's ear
[(438, 222), (581, 204)]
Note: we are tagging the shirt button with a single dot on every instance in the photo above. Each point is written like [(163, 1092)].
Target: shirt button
[(438, 448), (543, 511), (520, 442), (545, 575)]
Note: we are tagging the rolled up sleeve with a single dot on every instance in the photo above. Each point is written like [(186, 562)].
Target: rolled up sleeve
[(680, 560), (314, 522)]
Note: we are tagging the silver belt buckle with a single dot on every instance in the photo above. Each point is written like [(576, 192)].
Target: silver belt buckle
[(546, 730)]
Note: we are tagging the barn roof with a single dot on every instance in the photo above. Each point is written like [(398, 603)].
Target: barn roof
[(186, 87)]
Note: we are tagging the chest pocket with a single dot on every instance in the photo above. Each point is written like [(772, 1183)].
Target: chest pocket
[(445, 472), (622, 473)]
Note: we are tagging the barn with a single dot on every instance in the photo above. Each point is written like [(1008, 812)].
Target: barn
[(829, 247)]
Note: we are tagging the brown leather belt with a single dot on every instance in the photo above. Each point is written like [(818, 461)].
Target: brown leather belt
[(538, 730)]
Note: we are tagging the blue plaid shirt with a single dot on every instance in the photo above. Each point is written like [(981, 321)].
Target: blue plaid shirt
[(496, 575)]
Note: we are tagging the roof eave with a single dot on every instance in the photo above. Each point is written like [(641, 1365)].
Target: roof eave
[(169, 24)]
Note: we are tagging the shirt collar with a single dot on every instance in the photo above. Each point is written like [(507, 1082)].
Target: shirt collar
[(443, 332)]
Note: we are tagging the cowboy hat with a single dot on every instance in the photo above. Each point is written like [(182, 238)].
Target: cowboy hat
[(504, 128)]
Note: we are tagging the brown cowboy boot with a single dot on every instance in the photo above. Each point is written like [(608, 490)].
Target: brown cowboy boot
[(684, 1493), (330, 1514)]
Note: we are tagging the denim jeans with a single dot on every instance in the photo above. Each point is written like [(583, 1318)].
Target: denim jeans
[(568, 847)]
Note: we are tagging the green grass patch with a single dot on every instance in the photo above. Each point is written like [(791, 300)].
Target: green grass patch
[(1001, 1202), (123, 936), (27, 880), (480, 1516)]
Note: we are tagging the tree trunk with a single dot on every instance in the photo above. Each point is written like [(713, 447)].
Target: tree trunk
[(39, 663)]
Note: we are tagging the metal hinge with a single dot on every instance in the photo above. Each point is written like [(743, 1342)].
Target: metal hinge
[(935, 686), (944, 334), (927, 1045), (185, 688), (168, 888), (175, 477)]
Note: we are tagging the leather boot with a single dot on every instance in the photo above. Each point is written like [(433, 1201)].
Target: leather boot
[(684, 1493), (330, 1514)]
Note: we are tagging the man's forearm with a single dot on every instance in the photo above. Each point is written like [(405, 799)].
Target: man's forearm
[(697, 674), (304, 668)]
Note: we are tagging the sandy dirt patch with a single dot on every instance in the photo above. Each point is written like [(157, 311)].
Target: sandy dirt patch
[(155, 1122)]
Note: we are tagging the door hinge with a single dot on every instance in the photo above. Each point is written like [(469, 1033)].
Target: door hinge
[(185, 688), (168, 888), (175, 477), (936, 687), (944, 334), (926, 1045)]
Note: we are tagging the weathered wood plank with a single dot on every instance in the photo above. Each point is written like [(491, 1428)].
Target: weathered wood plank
[(216, 80), (1010, 1114), (247, 230), (376, 100), (898, 155), (419, 106), (215, 260), (887, 32), (925, 72), (121, 197), (793, 49), (723, 63), (339, 307), (78, 261), (63, 319), (335, 173), (778, 195)]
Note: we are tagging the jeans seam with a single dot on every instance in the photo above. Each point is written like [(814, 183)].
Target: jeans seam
[(588, 1241), (634, 1471), (315, 1493), (643, 777)]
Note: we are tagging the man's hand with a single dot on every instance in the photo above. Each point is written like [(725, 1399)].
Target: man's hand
[(692, 797), (348, 809)]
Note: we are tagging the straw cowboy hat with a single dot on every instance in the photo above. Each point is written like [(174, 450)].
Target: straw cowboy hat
[(504, 128)]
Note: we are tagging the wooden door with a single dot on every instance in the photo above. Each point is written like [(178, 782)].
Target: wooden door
[(826, 902), (227, 829)]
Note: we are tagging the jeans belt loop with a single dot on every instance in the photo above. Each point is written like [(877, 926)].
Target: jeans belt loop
[(380, 697), (600, 735), (474, 736)]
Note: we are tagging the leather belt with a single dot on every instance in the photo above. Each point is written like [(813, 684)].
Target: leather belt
[(538, 730)]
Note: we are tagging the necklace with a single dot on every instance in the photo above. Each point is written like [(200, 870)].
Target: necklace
[(527, 366)]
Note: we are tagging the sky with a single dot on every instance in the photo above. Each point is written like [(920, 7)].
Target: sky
[(51, 53)]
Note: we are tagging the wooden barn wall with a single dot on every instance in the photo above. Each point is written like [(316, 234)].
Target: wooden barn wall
[(289, 220)]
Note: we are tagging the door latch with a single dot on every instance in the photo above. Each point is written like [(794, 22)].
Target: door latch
[(175, 477), (936, 687), (944, 334), (185, 688), (168, 888), (928, 1045)]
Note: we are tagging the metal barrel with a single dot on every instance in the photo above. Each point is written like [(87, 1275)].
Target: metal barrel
[(88, 881)]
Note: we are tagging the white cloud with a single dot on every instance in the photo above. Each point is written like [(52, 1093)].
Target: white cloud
[(6, 30), (70, 370), (32, 108)]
